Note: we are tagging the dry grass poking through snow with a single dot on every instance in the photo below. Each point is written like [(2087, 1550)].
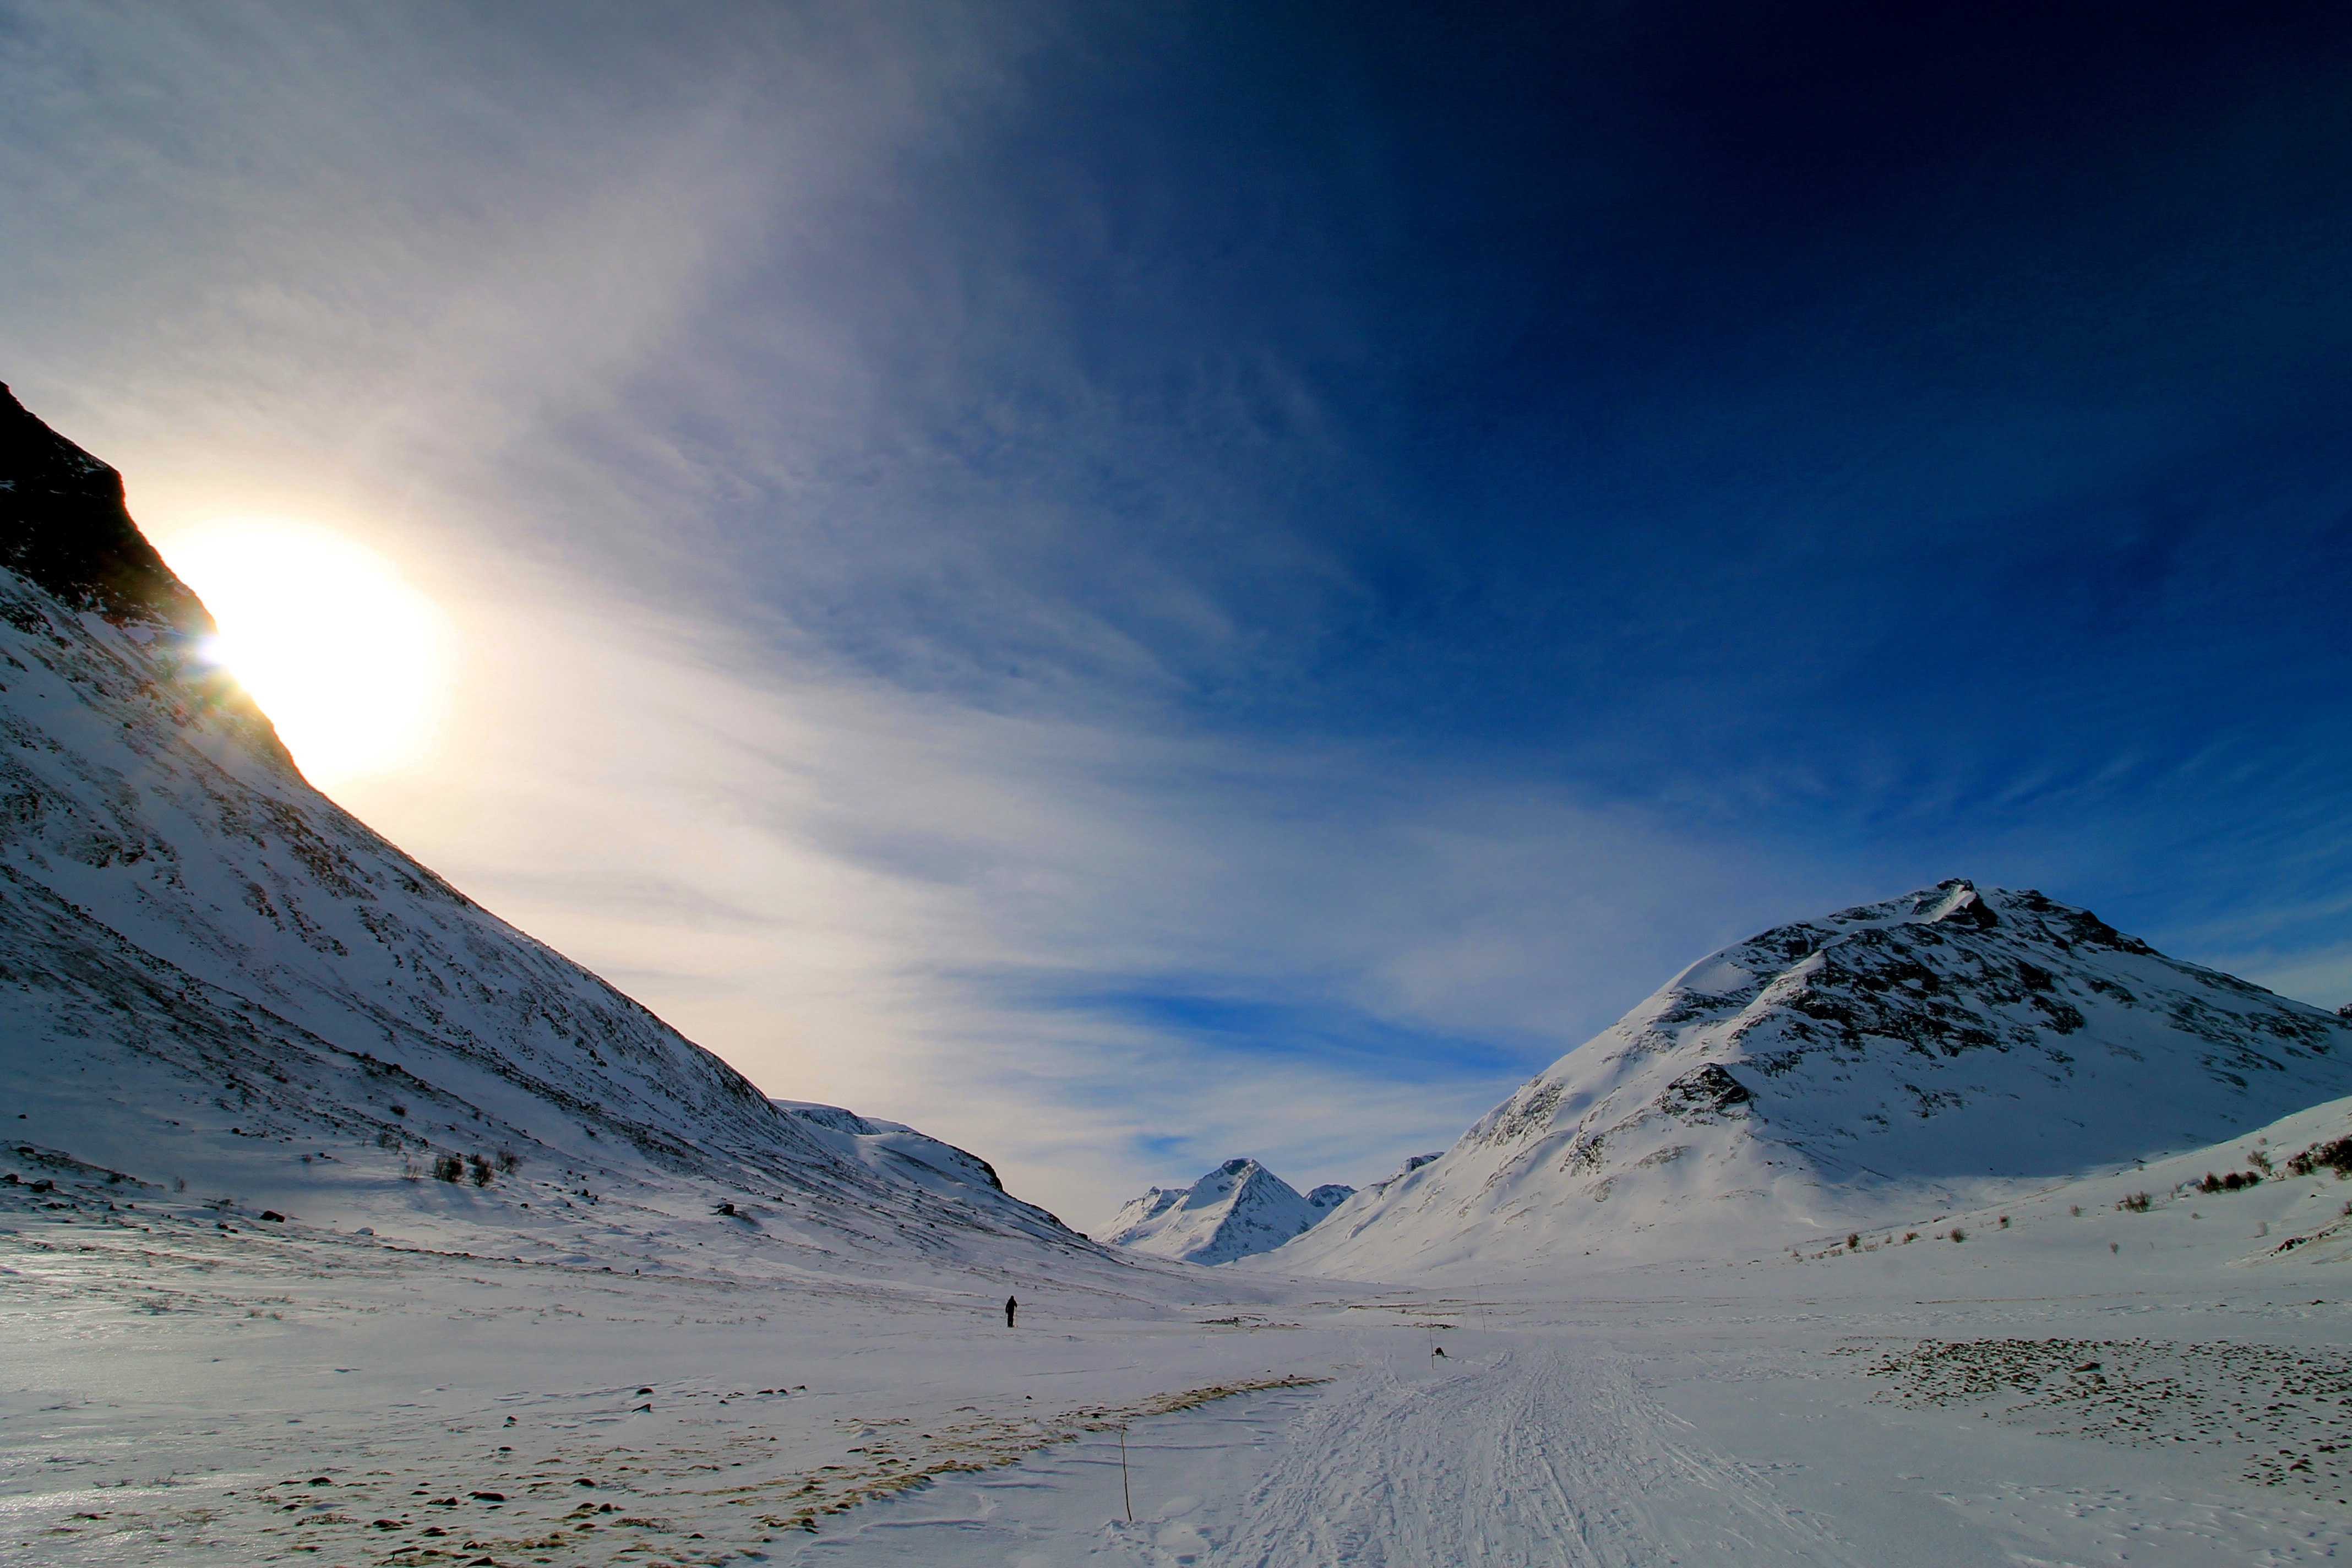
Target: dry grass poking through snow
[(983, 1444), (660, 1530), (641, 1510), (2282, 1416), (569, 1470)]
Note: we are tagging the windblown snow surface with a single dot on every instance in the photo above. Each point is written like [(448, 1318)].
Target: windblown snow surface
[(341, 1224), (1238, 1210)]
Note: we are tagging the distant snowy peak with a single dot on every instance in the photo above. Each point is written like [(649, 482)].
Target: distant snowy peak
[(1953, 1035), (1238, 1210), (1135, 1215)]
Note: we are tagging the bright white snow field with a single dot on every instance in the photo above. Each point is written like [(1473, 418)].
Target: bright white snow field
[(180, 1393)]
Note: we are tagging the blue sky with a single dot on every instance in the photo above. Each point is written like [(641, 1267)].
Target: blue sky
[(1179, 581)]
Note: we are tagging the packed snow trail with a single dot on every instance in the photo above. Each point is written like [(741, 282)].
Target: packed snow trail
[(1545, 1454)]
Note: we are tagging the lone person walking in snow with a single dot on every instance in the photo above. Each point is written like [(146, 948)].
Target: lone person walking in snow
[(1012, 1305)]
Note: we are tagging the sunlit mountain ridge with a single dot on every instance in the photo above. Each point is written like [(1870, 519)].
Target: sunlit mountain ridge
[(220, 981)]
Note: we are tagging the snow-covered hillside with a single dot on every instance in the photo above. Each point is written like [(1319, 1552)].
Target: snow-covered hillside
[(902, 1155), (1238, 1210), (216, 978), (1928, 1051)]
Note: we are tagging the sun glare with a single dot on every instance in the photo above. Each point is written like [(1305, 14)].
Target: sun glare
[(343, 655)]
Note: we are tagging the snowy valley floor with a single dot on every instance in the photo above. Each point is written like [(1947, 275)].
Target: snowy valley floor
[(2164, 1387)]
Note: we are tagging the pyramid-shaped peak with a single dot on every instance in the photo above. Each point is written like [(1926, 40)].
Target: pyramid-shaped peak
[(1237, 1210)]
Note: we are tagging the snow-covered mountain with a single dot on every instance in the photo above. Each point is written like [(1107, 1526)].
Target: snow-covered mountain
[(1238, 1210), (210, 974), (1329, 1196), (1912, 1054)]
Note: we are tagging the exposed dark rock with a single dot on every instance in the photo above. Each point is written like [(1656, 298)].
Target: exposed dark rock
[(1704, 1095), (63, 524), (1971, 911)]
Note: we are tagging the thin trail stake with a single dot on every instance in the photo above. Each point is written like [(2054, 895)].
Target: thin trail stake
[(1123, 1491)]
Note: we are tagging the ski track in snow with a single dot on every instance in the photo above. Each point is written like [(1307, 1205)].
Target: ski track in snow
[(1547, 1455)]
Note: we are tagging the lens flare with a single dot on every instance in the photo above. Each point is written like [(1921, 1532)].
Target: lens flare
[(344, 657)]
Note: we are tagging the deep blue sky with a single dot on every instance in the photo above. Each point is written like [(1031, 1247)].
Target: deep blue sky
[(1969, 391), (1325, 549), (1918, 425)]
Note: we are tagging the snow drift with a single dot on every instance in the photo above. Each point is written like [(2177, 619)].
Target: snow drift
[(210, 973), (1925, 1051)]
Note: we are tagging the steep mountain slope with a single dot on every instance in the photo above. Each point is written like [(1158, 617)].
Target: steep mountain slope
[(1238, 1210), (1927, 1051), (211, 974), (900, 1154)]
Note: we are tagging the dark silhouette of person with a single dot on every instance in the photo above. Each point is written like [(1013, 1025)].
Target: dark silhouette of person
[(1012, 1305)]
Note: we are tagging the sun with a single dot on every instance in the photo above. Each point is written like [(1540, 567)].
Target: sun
[(344, 656)]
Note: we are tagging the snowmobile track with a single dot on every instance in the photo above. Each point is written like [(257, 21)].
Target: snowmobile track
[(1538, 1455)]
